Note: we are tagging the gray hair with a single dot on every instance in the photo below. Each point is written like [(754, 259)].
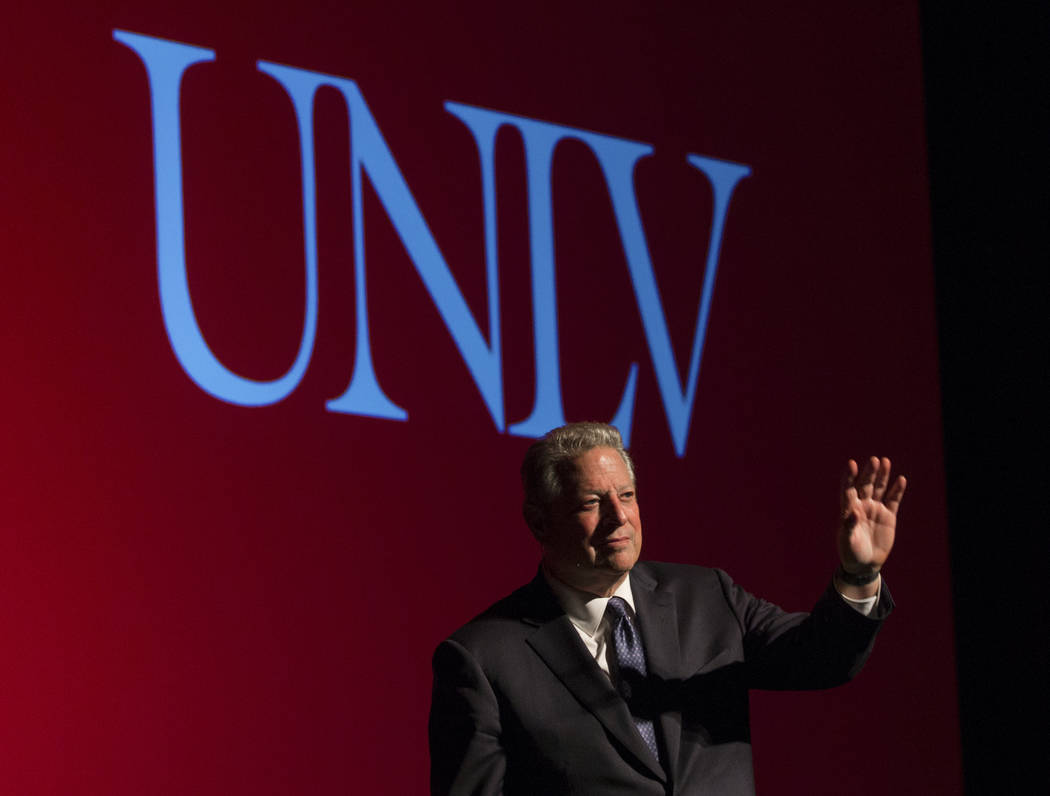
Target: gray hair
[(547, 461)]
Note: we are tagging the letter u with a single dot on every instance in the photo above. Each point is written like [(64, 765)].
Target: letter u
[(166, 62)]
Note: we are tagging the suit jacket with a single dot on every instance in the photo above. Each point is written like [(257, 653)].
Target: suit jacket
[(520, 707)]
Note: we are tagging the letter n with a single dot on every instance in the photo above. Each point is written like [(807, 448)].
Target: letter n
[(370, 154)]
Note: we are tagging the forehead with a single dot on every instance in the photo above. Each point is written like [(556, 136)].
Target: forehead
[(598, 469)]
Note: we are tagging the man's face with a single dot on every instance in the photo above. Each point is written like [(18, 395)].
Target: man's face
[(592, 536)]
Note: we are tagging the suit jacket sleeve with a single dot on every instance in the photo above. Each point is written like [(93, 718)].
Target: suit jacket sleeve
[(466, 754), (798, 651)]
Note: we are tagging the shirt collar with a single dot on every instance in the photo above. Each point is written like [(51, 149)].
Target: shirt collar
[(584, 609)]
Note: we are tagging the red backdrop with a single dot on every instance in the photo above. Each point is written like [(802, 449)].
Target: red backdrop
[(200, 597)]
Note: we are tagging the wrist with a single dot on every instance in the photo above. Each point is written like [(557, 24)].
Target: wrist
[(856, 578)]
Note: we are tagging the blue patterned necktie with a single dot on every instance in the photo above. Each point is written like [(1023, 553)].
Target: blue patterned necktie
[(630, 655)]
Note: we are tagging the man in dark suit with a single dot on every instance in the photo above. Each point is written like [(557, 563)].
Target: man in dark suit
[(605, 675)]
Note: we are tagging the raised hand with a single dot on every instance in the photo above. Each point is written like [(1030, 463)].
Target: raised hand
[(869, 506)]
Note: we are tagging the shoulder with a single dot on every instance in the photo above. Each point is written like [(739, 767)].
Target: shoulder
[(679, 577), (522, 609), (703, 592)]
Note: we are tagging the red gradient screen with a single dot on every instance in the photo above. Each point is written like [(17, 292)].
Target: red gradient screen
[(275, 342)]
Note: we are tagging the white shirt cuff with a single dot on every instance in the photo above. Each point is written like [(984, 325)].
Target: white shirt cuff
[(863, 606)]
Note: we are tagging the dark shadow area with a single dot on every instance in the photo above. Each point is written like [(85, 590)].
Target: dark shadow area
[(987, 122)]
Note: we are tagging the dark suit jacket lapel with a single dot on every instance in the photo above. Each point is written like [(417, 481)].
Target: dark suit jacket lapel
[(558, 644), (658, 618)]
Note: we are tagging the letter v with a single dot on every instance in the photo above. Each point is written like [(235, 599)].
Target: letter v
[(617, 163)]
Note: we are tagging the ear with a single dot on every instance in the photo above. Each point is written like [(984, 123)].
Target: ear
[(535, 520)]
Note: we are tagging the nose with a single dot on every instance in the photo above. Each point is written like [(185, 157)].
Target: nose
[(614, 511)]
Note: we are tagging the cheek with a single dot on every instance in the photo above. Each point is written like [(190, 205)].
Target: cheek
[(578, 537), (581, 536), (571, 534)]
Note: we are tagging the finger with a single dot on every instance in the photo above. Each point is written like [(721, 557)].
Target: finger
[(850, 517), (866, 482), (882, 478), (896, 494), (848, 492)]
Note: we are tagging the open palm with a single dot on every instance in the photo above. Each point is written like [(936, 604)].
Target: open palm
[(869, 506)]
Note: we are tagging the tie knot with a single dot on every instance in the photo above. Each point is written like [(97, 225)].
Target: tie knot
[(617, 607)]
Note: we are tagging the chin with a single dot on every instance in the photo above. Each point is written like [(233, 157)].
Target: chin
[(621, 562)]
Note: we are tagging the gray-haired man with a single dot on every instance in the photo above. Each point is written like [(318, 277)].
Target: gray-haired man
[(607, 675)]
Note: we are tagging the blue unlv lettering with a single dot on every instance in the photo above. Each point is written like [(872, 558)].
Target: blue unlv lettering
[(167, 61)]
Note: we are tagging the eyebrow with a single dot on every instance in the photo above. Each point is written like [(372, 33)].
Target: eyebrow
[(627, 488)]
